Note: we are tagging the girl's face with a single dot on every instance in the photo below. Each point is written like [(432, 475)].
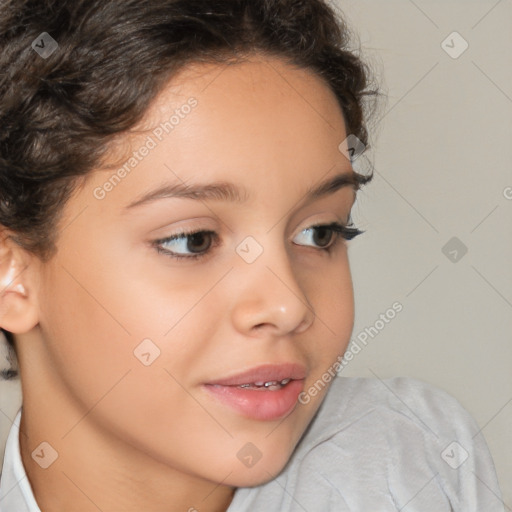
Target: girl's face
[(137, 321)]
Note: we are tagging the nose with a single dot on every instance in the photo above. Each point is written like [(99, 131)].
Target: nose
[(270, 300)]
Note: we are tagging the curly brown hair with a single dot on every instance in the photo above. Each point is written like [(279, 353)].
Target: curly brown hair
[(58, 112)]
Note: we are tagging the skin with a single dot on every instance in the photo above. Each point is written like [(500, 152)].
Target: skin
[(133, 437)]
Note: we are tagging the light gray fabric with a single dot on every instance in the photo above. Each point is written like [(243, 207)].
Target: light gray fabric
[(375, 445), (15, 491)]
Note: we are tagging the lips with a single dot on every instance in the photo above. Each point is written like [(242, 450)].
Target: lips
[(263, 393)]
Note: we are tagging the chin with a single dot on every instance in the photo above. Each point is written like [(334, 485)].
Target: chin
[(260, 473)]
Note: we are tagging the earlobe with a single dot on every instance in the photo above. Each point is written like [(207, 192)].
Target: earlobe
[(18, 311)]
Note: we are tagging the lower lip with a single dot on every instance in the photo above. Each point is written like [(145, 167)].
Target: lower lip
[(260, 405)]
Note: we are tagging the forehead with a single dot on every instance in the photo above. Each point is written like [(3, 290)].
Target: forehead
[(260, 122)]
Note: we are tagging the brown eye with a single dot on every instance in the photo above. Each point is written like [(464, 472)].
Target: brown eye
[(323, 236), (319, 237), (326, 236), (187, 245), (199, 242)]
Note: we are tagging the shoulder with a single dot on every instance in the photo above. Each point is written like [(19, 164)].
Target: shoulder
[(397, 436), (408, 402), (403, 399)]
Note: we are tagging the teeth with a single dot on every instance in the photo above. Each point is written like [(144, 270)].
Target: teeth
[(272, 385)]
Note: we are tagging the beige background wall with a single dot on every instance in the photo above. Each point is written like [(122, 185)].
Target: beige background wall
[(443, 169), (443, 161)]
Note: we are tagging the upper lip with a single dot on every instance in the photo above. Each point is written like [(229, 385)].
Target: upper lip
[(264, 373)]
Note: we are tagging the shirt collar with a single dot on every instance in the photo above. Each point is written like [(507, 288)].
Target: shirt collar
[(16, 493)]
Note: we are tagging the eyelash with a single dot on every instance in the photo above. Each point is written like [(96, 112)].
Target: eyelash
[(339, 230)]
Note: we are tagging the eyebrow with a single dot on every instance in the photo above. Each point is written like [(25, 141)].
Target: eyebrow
[(226, 191)]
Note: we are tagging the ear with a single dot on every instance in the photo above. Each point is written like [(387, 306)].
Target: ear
[(18, 305)]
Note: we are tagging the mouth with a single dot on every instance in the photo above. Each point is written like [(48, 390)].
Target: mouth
[(264, 393)]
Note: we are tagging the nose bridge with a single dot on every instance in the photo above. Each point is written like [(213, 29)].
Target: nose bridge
[(270, 295)]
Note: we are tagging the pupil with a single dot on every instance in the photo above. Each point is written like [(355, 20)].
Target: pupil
[(196, 239), (323, 233)]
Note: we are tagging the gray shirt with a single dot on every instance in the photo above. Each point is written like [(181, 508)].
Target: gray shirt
[(374, 446)]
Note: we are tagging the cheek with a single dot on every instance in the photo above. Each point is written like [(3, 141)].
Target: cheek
[(103, 367), (333, 298), (86, 343), (107, 326), (330, 292)]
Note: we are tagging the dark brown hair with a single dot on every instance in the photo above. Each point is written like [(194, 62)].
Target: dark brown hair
[(59, 112)]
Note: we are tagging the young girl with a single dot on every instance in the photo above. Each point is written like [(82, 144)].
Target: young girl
[(176, 184)]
